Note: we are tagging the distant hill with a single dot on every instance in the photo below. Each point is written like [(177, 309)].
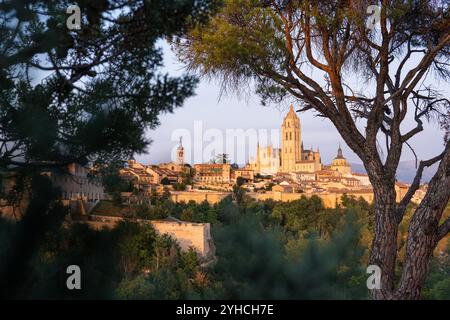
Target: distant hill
[(405, 172)]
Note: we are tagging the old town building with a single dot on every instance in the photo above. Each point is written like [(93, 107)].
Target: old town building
[(213, 173)]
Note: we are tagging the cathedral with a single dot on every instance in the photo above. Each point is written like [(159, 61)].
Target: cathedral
[(291, 157)]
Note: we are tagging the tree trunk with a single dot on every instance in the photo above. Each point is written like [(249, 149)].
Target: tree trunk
[(423, 233), (384, 245), (422, 239)]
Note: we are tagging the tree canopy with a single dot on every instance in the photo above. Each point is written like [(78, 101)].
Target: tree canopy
[(88, 94), (85, 95)]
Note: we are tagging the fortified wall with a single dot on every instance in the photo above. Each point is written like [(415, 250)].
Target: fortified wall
[(330, 200), (212, 197), (187, 234)]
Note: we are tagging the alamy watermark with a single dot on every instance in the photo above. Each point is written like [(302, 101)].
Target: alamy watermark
[(73, 281), (73, 22), (374, 18), (202, 144), (374, 280)]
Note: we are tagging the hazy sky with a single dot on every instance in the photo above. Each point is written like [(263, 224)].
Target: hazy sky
[(211, 111)]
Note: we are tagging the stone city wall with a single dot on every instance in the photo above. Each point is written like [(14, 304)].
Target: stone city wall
[(212, 197), (187, 234), (330, 200)]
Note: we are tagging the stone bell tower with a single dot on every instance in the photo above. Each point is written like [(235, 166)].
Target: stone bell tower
[(291, 141)]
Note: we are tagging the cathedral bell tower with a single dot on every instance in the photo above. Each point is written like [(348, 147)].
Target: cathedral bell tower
[(291, 141)]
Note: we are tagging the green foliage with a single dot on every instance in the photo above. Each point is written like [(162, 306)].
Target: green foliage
[(275, 250), (104, 118), (135, 250), (298, 215), (179, 187), (269, 187), (166, 194), (112, 181), (116, 198), (437, 285), (188, 177), (84, 96), (253, 264), (196, 213), (222, 158), (165, 181), (171, 274), (249, 39), (187, 214), (135, 288), (142, 210), (224, 47), (239, 195), (158, 211), (240, 181), (131, 261)]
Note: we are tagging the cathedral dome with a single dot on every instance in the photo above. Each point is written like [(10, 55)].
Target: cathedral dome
[(339, 163)]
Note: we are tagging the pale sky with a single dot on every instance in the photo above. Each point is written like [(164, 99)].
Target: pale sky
[(229, 112)]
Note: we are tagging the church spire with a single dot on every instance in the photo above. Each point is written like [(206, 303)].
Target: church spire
[(339, 153), (291, 113)]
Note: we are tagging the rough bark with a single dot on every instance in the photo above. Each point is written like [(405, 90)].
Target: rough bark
[(384, 245), (423, 235)]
